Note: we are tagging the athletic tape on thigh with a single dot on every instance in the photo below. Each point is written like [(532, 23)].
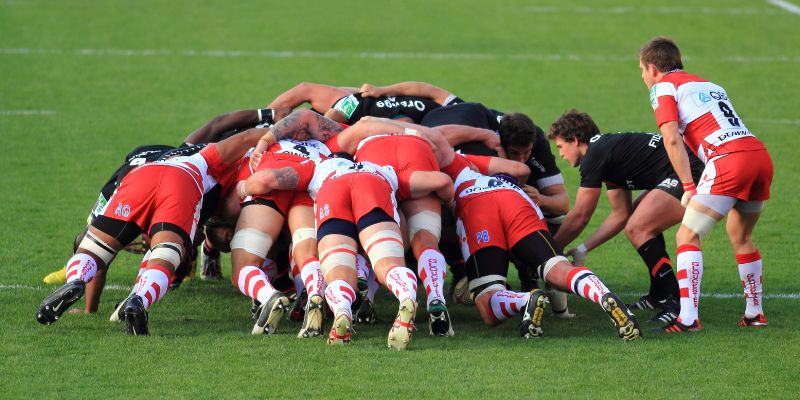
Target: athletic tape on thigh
[(303, 234), (718, 203), (427, 220), (342, 255), (97, 247), (699, 223), (382, 244), (750, 207), (550, 264), (167, 251), (479, 286), (252, 241)]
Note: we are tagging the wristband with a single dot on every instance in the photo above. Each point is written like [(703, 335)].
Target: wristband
[(269, 137), (582, 248), (266, 114), (689, 187)]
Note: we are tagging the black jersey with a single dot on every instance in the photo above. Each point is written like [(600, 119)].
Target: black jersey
[(354, 107), (631, 161)]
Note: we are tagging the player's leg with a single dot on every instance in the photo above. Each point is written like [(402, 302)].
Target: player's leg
[(304, 254), (424, 226), (337, 252), (742, 220), (258, 227)]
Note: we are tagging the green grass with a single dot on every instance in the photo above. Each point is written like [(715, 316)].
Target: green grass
[(536, 57)]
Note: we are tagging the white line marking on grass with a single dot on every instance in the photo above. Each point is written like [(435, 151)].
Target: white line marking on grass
[(370, 55), (655, 10), (788, 6), (782, 121), (27, 112)]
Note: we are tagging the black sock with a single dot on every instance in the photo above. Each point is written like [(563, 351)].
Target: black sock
[(663, 282)]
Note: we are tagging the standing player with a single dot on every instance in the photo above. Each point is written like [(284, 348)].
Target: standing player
[(625, 162), (735, 182)]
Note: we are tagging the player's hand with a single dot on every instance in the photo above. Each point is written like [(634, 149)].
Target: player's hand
[(368, 90), (578, 254), (532, 192), (689, 190), (493, 142), (255, 159), (138, 246), (240, 189)]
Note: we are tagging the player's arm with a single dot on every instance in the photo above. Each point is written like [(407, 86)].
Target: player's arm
[(351, 136), (621, 210), (233, 148), (458, 134), (266, 180), (321, 97), (585, 203), (552, 199), (212, 130), (678, 157), (498, 165), (424, 182), (304, 124), (410, 88)]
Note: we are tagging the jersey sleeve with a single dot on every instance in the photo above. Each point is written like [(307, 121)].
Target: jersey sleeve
[(333, 145), (592, 169), (544, 171), (480, 162), (459, 163), (216, 168), (663, 99), (305, 172)]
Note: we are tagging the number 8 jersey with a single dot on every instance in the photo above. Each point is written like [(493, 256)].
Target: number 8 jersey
[(705, 115)]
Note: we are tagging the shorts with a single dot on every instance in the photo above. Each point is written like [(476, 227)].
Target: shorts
[(744, 175), (405, 153), (352, 196), (499, 218)]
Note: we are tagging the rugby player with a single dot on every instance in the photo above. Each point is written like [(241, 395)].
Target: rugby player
[(735, 182), (625, 162)]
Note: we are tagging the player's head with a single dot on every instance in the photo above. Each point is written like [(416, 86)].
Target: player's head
[(572, 132), (657, 57), (517, 133), (219, 232)]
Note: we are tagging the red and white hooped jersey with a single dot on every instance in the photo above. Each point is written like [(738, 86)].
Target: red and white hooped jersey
[(307, 149), (314, 173), (706, 118), (205, 167)]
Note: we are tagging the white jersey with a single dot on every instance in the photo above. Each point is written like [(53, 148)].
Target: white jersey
[(332, 168), (311, 149)]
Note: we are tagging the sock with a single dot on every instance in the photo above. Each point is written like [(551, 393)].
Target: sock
[(81, 267), (254, 284), (297, 277), (402, 282), (142, 269), (750, 272), (153, 284), (506, 304), (312, 277), (586, 284), (690, 272), (340, 296), (362, 266), (270, 268), (432, 269), (372, 286), (663, 282)]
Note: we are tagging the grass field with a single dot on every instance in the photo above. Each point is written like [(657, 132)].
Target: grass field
[(83, 82)]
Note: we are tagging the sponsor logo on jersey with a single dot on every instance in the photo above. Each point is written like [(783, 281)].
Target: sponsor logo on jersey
[(654, 141), (704, 98), (347, 106), (668, 183), (391, 102), (733, 134), (595, 138)]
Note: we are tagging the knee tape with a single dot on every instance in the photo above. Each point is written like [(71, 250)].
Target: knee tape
[(302, 234), (750, 207), (169, 252), (547, 266), (342, 255), (493, 283), (252, 241), (427, 220), (384, 244), (699, 223), (98, 247)]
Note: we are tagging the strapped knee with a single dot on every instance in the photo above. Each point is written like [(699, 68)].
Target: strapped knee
[(302, 234), (96, 246), (545, 268), (252, 241), (342, 255), (698, 222), (168, 251), (488, 283), (384, 244), (427, 220)]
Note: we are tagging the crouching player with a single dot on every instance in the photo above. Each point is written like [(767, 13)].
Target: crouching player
[(354, 204)]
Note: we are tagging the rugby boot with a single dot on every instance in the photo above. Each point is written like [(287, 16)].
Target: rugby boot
[(135, 316), (403, 327), (626, 323), (671, 308), (678, 327), (118, 314), (341, 331), (314, 313), (439, 323), (57, 277), (211, 267), (254, 306), (645, 302), (461, 292), (366, 313), (531, 326), (297, 313), (759, 321), (270, 314), (54, 305)]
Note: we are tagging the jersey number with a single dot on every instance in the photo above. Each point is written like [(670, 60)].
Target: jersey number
[(727, 111)]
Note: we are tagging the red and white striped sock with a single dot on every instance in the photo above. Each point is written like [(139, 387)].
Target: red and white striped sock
[(583, 282), (690, 273), (142, 268), (153, 284), (750, 272), (81, 267), (297, 277), (432, 269), (402, 282), (340, 296), (312, 277), (506, 304), (253, 283)]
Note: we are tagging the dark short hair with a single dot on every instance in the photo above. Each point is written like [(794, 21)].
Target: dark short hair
[(572, 125), (517, 129), (662, 52)]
